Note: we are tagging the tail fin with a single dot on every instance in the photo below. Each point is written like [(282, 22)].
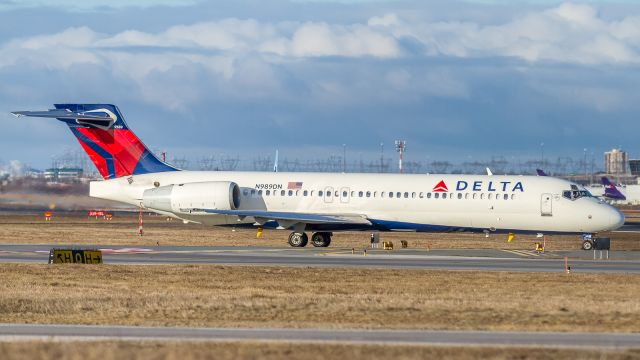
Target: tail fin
[(611, 191), (104, 135), (541, 172)]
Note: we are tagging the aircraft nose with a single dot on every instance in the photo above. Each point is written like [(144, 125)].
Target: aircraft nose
[(616, 218)]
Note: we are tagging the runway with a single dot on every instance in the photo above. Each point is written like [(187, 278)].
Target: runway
[(12, 332), (481, 260)]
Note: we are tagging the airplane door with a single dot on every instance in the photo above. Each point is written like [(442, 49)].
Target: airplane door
[(328, 194), (546, 205), (344, 195)]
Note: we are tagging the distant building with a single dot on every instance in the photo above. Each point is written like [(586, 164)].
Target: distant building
[(634, 166), (615, 162), (63, 174)]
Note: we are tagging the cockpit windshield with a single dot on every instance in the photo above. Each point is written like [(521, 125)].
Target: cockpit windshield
[(575, 193)]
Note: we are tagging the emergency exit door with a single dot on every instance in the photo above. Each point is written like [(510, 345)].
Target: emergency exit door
[(546, 205)]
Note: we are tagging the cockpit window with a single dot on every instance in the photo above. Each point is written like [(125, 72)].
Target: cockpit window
[(575, 193)]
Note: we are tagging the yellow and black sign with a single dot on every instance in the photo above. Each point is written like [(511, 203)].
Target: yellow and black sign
[(62, 256)]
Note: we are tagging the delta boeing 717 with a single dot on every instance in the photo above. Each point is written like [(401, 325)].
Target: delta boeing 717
[(323, 203)]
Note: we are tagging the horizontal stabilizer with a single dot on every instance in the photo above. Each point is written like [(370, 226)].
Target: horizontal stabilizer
[(102, 118)]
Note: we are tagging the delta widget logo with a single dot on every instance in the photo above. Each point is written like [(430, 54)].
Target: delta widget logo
[(440, 187)]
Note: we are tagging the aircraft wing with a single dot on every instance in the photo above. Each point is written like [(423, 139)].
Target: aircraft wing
[(286, 219)]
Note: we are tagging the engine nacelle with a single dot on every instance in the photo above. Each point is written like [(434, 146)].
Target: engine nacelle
[(218, 195)]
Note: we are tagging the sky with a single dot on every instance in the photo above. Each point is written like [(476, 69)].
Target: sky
[(458, 80)]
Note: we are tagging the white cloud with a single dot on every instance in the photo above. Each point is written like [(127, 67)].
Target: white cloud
[(236, 55)]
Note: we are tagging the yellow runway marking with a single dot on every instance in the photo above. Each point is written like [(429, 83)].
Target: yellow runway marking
[(521, 253)]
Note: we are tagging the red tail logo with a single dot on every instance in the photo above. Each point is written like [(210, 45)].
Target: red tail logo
[(441, 187)]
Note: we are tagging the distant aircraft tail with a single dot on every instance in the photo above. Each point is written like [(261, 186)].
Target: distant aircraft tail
[(104, 135), (611, 191), (540, 172)]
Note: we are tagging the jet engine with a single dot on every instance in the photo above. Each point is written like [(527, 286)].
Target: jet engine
[(176, 198)]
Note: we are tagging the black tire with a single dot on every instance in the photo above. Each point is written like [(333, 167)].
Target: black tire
[(298, 239), (587, 245), (321, 239)]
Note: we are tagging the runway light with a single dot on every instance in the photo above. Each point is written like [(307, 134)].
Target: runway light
[(259, 233), (510, 237)]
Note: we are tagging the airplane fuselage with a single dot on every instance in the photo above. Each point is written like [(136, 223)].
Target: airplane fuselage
[(390, 202)]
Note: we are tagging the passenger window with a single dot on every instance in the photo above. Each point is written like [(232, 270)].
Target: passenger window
[(436, 195), (444, 195), (475, 196), (344, 194), (268, 192), (368, 193), (360, 193), (337, 193), (413, 195), (513, 196), (311, 193), (398, 195), (390, 194), (459, 195), (253, 192), (305, 193), (375, 193), (382, 194), (260, 192), (428, 195), (482, 196), (245, 192), (406, 195), (320, 193), (290, 192), (466, 196), (421, 195), (506, 196), (353, 194), (489, 196)]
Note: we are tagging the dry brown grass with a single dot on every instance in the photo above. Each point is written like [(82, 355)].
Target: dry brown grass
[(237, 296), (207, 350), (77, 229)]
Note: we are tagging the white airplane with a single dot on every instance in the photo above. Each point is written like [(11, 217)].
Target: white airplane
[(322, 203)]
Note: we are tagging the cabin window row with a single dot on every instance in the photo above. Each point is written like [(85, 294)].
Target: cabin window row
[(382, 194)]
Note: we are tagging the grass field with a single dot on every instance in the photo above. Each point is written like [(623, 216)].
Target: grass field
[(122, 230), (231, 350), (181, 295)]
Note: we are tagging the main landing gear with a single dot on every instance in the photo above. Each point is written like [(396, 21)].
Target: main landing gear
[(319, 239)]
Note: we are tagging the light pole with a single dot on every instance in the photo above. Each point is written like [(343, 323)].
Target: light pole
[(344, 158), (400, 147), (381, 157), (542, 154), (586, 171)]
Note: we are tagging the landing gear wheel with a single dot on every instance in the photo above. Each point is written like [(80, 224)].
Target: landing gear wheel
[(587, 245), (298, 239), (321, 239)]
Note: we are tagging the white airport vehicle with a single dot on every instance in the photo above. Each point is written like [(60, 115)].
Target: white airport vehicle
[(322, 203)]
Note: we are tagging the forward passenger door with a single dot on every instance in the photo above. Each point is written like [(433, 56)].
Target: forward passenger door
[(546, 205)]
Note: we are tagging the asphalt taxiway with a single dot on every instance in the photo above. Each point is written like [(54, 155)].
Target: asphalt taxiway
[(11, 332), (455, 259)]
